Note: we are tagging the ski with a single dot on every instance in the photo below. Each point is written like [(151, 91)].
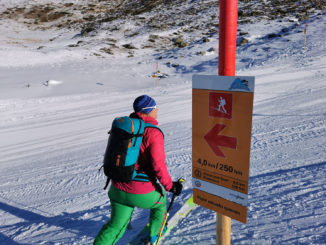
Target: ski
[(172, 222)]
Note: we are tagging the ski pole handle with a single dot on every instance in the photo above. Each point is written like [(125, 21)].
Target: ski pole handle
[(181, 181), (165, 219)]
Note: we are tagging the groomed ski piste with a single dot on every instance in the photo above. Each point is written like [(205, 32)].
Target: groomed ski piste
[(57, 104)]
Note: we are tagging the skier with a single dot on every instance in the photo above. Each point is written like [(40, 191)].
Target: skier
[(124, 197)]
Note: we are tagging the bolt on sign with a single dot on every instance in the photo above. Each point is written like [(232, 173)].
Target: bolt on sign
[(221, 129)]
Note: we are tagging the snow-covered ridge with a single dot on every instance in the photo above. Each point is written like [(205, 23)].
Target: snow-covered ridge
[(131, 26)]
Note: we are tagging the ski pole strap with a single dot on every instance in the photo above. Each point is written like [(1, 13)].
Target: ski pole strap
[(107, 183), (170, 205)]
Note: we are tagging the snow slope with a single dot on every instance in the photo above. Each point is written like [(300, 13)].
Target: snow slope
[(56, 108)]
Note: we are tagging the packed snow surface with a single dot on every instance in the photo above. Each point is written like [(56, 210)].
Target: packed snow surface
[(57, 105)]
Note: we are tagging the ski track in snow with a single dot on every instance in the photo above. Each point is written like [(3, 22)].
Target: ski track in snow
[(285, 207), (65, 153)]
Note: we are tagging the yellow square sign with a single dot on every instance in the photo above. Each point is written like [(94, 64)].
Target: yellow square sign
[(222, 121)]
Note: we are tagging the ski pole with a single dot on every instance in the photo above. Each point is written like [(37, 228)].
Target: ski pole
[(129, 226), (181, 180)]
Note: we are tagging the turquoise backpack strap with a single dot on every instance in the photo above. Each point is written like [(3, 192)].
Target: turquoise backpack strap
[(149, 125), (142, 176)]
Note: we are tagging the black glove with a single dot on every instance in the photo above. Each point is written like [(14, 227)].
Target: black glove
[(176, 188)]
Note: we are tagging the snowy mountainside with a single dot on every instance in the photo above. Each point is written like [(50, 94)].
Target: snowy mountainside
[(57, 101), (129, 28)]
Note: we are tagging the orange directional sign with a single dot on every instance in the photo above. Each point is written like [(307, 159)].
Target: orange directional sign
[(222, 120)]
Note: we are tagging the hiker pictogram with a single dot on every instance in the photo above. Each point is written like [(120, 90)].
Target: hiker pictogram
[(220, 105)]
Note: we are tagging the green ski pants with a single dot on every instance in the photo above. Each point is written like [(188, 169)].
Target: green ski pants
[(122, 207)]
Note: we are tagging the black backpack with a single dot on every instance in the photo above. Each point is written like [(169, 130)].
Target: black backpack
[(123, 148)]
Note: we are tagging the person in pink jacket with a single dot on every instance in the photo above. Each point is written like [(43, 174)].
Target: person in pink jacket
[(124, 197)]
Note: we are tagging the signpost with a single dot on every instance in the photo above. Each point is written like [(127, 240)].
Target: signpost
[(222, 112), (222, 119), (226, 67)]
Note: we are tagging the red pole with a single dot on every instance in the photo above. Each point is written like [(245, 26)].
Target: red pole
[(227, 37), (226, 67)]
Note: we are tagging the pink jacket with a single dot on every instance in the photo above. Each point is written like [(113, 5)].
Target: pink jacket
[(151, 160)]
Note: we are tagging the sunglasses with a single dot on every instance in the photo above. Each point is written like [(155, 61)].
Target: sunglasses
[(150, 107)]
